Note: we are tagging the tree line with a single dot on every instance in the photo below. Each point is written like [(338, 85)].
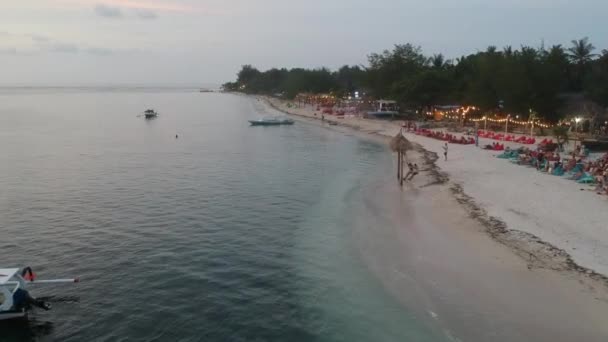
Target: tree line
[(512, 80)]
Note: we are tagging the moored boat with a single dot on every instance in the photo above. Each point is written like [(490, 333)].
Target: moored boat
[(150, 113), (271, 122), (15, 300)]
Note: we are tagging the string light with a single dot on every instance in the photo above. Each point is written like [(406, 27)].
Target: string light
[(517, 122)]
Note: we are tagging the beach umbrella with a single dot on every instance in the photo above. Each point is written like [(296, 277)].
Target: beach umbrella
[(401, 145)]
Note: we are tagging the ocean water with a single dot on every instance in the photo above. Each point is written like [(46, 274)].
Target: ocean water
[(226, 233)]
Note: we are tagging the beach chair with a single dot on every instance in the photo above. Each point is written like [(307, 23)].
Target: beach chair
[(586, 179), (558, 171), (576, 169)]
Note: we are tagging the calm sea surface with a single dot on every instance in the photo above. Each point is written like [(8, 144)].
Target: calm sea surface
[(228, 233)]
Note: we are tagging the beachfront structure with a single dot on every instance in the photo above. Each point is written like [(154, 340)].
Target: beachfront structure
[(385, 109)]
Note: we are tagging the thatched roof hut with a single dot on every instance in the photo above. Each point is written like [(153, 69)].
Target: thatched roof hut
[(400, 143)]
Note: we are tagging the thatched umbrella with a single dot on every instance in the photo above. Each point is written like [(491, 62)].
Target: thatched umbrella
[(401, 145)]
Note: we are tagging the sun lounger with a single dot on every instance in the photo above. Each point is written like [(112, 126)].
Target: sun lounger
[(558, 171), (586, 179)]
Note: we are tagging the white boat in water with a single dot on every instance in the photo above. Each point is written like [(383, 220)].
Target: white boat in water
[(15, 299), (271, 122)]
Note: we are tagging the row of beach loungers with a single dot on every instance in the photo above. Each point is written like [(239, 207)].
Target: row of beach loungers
[(451, 138), (507, 137), (552, 166)]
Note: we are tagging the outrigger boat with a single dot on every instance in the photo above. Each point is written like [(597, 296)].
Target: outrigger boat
[(150, 114), (271, 122), (15, 300)]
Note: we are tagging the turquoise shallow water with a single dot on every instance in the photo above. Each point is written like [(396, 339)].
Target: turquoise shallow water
[(229, 233)]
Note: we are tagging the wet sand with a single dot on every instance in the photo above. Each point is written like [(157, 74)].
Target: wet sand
[(476, 288)]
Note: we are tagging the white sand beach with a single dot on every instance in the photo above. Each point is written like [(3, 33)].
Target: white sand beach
[(557, 211), (487, 245)]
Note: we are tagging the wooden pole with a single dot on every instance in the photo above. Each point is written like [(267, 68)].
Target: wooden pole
[(398, 165), (401, 167)]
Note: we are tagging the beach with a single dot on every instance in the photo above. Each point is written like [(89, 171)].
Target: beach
[(501, 234), (295, 232), (538, 209)]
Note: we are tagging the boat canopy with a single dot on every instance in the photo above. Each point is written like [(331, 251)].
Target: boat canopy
[(6, 274)]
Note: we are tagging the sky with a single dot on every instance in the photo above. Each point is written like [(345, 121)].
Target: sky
[(192, 42)]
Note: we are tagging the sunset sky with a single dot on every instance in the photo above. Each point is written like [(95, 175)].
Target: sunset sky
[(189, 42)]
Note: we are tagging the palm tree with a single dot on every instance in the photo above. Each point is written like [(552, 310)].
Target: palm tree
[(581, 54), (581, 51), (437, 61)]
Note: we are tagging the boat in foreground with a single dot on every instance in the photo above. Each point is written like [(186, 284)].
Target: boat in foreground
[(15, 300), (271, 122)]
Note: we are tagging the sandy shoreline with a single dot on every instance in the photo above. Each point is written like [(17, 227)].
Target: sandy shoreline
[(468, 258), (553, 240)]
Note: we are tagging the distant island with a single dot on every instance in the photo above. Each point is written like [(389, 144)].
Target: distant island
[(550, 83)]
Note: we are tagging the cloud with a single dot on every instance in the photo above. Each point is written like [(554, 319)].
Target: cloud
[(108, 11), (64, 48), (32, 44), (40, 38), (170, 6), (153, 5), (8, 51), (99, 51), (146, 14)]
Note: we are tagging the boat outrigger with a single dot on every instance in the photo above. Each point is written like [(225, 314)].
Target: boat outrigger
[(150, 114), (15, 300), (271, 122)]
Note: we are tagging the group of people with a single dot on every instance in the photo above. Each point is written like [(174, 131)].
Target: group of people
[(495, 147), (577, 165)]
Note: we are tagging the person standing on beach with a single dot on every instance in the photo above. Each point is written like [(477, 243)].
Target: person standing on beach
[(445, 151)]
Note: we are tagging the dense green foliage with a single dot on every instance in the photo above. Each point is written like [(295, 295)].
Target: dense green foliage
[(511, 80)]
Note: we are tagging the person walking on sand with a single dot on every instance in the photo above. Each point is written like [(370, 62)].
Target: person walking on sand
[(445, 151)]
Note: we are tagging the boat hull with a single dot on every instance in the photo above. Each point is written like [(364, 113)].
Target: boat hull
[(270, 123)]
